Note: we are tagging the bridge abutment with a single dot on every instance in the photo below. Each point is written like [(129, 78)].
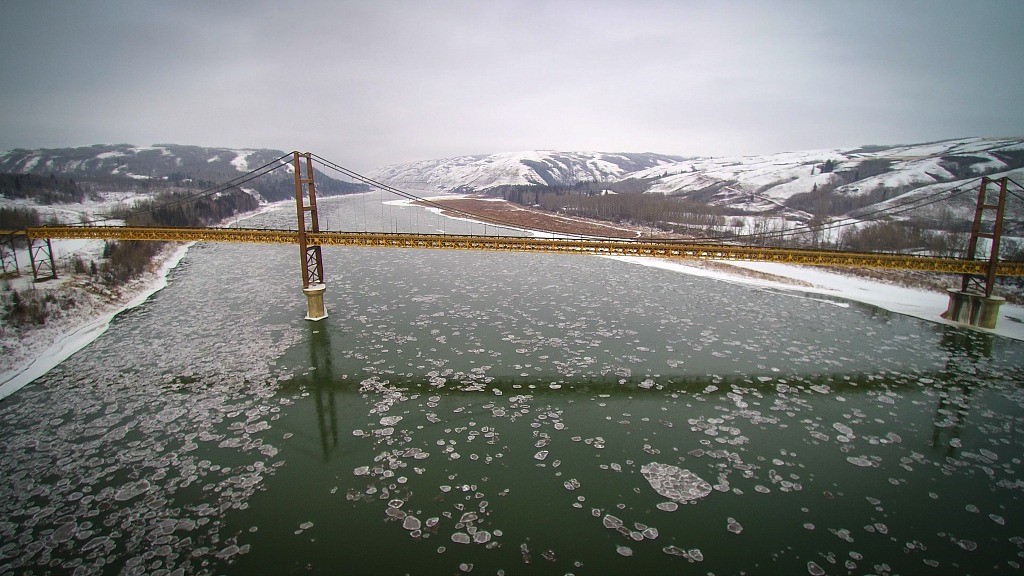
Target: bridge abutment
[(973, 309)]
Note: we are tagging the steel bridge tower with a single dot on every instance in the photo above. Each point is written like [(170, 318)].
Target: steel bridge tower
[(311, 257), (974, 304)]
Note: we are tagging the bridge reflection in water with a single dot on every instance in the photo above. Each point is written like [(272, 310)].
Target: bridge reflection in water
[(967, 350), (319, 381), (333, 391)]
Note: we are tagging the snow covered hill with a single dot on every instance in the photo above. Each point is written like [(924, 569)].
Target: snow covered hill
[(106, 164), (762, 183), (844, 181), (139, 162), (544, 167)]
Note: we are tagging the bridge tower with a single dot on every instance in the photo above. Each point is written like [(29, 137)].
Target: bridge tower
[(8, 255), (311, 257), (41, 255), (973, 303)]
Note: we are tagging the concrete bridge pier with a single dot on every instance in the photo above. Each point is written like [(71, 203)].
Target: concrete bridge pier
[(973, 309), (315, 309)]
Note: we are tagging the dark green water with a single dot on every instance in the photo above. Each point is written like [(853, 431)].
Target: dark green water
[(521, 403)]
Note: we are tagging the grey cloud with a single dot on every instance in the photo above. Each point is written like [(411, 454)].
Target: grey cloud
[(372, 83)]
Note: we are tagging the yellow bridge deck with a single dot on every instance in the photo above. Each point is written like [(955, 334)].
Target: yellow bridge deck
[(663, 249)]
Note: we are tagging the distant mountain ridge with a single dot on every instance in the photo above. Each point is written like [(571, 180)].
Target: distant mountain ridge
[(120, 164)]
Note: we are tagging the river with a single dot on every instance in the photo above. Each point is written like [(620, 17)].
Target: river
[(503, 413)]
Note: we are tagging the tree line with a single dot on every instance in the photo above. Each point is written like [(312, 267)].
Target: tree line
[(942, 232), (49, 189), (621, 202), (127, 259), (179, 209), (18, 218)]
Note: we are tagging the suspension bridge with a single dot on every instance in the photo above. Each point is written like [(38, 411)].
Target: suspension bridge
[(973, 303)]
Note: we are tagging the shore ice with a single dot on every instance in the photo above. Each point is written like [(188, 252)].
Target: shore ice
[(86, 325), (88, 328), (923, 304)]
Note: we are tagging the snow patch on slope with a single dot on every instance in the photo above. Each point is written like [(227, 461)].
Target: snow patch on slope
[(241, 161), (517, 168)]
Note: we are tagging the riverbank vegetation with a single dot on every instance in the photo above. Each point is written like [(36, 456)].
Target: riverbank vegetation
[(127, 259), (18, 217), (48, 189), (119, 262), (803, 220)]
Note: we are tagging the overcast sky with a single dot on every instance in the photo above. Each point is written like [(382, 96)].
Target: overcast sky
[(373, 82)]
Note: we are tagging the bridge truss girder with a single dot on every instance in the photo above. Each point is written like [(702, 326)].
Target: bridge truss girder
[(559, 246)]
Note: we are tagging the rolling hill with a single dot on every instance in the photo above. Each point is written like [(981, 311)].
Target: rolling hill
[(827, 184), (127, 167)]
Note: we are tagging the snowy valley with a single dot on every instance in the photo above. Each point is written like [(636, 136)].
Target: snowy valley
[(785, 188)]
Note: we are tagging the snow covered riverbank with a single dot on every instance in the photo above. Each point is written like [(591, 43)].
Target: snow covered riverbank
[(32, 351), (924, 304), (73, 332)]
